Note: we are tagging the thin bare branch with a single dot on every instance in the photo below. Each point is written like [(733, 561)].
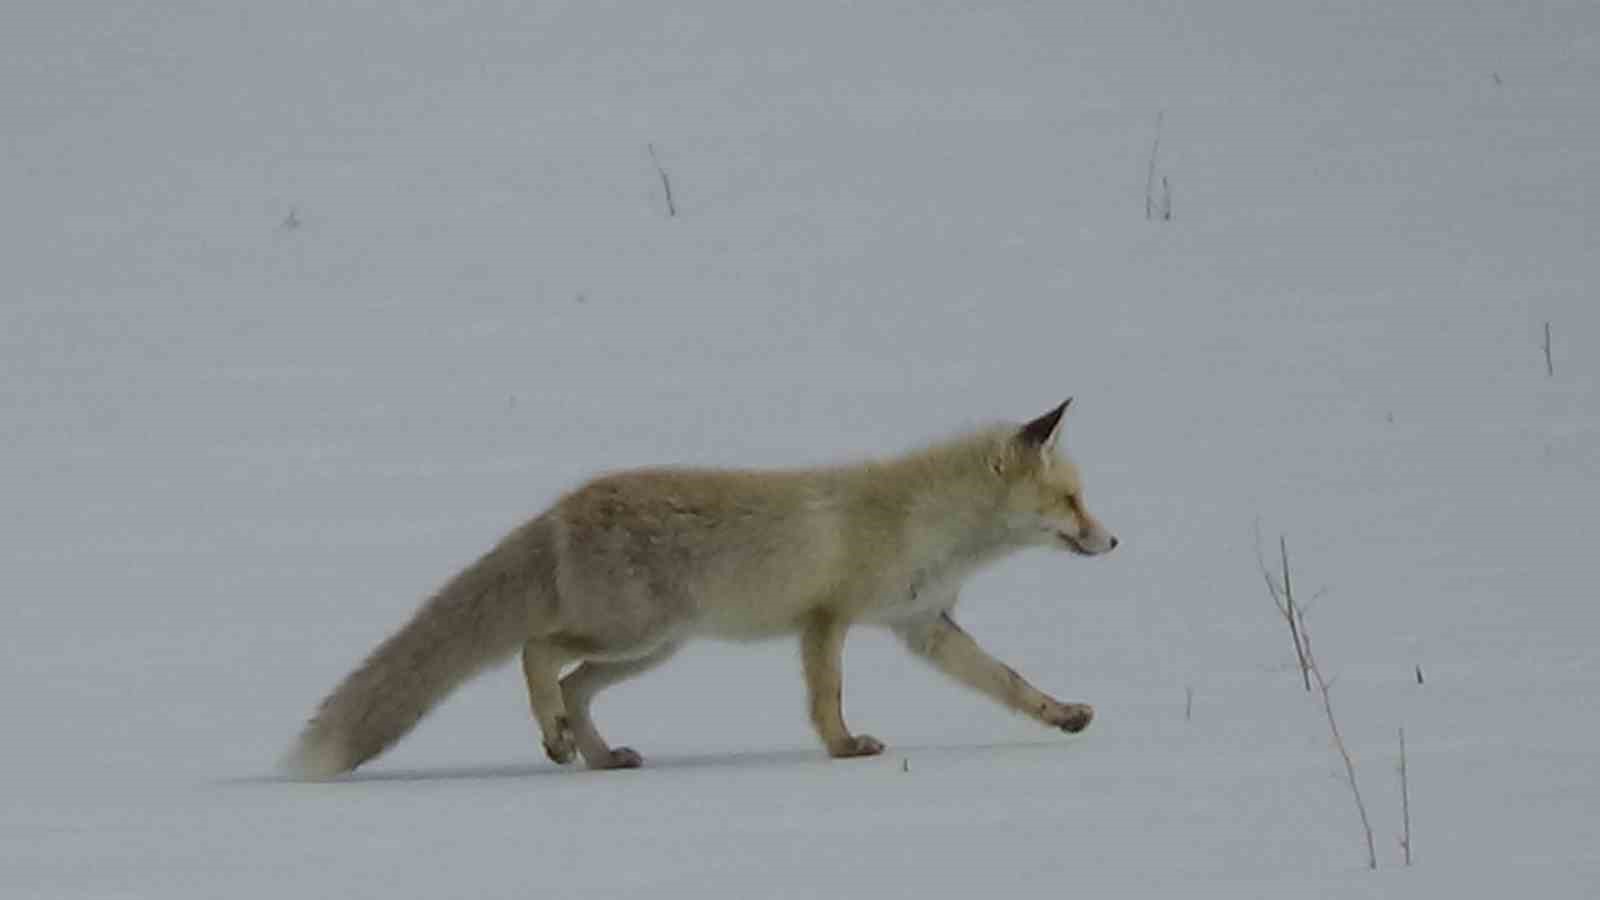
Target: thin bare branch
[(1266, 574), (1283, 597), (1324, 688), (1296, 618), (666, 183), (1405, 800), (1150, 172)]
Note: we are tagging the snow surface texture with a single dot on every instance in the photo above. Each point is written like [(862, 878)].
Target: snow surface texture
[(307, 303)]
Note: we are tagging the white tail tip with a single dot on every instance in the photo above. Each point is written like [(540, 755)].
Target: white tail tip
[(314, 760)]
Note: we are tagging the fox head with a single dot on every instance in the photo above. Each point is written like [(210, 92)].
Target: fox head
[(1044, 494)]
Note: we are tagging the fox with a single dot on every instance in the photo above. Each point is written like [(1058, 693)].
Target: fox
[(620, 572)]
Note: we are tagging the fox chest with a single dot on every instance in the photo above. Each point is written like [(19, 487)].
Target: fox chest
[(916, 597)]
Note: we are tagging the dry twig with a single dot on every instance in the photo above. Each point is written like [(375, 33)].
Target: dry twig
[(666, 183), (1405, 801), (1324, 687), (1283, 597)]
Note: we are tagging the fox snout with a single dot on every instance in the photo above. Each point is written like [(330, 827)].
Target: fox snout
[(1092, 541)]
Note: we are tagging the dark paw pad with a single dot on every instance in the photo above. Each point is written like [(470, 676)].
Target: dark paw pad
[(1071, 717), (623, 758)]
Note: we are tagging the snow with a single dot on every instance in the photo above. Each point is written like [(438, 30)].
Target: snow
[(308, 303)]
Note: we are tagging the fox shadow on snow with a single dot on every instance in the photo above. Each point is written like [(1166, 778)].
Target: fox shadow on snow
[(751, 759)]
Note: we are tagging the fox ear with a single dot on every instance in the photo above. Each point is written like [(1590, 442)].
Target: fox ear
[(1042, 432)]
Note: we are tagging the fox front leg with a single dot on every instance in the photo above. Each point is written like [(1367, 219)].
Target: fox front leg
[(941, 641), (821, 651)]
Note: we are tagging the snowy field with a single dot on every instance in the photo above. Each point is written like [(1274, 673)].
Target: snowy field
[(305, 304)]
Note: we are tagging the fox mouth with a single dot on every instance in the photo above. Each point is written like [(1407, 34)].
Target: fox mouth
[(1072, 544)]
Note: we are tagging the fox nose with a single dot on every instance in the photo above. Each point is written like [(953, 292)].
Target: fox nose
[(1113, 542)]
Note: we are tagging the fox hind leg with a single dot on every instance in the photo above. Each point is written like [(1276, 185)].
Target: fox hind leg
[(541, 667), (579, 689)]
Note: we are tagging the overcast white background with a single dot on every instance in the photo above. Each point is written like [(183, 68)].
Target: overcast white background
[(305, 304)]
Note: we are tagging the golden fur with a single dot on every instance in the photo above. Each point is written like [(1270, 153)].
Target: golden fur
[(620, 572)]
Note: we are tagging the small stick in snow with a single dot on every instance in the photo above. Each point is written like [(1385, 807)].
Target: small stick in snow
[(1150, 172), (666, 183), (1323, 687), (1405, 800), (1166, 199), (1549, 365), (1283, 596), (905, 766), (1295, 616), (1188, 703), (1419, 674)]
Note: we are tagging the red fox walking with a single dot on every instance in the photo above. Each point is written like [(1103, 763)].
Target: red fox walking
[(619, 573)]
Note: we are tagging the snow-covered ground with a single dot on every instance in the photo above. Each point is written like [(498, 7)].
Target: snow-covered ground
[(305, 304)]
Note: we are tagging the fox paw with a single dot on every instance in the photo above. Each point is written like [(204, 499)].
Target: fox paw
[(560, 747), (619, 758), (1069, 717), (856, 745)]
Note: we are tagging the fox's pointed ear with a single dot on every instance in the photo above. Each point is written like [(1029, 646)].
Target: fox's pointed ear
[(1043, 431)]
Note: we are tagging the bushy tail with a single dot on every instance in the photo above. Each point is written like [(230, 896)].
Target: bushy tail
[(478, 619)]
